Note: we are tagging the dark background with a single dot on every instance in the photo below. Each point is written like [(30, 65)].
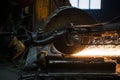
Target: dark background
[(109, 10)]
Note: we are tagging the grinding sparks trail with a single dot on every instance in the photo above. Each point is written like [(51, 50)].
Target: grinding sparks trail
[(100, 50)]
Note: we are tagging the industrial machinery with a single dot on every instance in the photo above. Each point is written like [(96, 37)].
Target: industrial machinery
[(67, 31)]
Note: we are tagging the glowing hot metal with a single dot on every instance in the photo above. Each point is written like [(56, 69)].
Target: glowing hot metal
[(100, 51)]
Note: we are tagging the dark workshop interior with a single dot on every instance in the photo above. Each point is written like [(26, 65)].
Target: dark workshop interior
[(60, 40)]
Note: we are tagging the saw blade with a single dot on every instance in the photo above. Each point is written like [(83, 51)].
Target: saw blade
[(65, 16)]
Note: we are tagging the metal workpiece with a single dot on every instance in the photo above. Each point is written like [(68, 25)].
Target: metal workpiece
[(78, 67), (69, 66), (78, 76), (102, 58), (73, 64)]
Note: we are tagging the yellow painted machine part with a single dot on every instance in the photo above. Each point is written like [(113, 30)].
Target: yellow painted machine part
[(44, 7), (18, 47)]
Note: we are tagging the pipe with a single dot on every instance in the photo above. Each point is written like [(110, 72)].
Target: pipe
[(48, 38)]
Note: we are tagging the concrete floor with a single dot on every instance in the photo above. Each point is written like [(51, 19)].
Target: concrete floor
[(8, 72)]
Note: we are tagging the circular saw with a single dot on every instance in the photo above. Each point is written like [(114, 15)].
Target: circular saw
[(70, 42)]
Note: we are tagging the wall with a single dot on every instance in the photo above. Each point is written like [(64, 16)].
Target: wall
[(109, 10)]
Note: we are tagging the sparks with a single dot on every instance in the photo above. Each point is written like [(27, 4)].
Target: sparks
[(101, 50)]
